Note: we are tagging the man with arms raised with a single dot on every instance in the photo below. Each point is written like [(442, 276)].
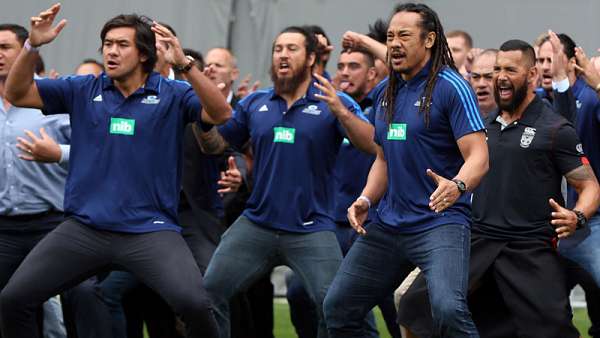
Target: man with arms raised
[(124, 180), (517, 211), (431, 151), (296, 129)]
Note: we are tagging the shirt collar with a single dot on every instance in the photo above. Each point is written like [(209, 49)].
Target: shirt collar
[(418, 78), (530, 115), (152, 83), (310, 92)]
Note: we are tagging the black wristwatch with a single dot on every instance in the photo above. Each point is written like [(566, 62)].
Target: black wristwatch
[(187, 67), (462, 187), (581, 219)]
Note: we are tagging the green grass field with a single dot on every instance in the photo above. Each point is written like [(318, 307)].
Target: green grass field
[(284, 328)]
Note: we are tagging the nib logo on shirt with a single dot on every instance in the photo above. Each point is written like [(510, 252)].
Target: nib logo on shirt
[(284, 135), (122, 126), (397, 132)]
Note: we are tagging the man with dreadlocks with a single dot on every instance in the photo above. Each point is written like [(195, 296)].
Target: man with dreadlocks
[(431, 152)]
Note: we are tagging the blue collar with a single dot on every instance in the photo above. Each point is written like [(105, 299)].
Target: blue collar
[(152, 83), (418, 78)]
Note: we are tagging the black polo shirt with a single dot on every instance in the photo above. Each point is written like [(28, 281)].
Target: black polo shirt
[(527, 160)]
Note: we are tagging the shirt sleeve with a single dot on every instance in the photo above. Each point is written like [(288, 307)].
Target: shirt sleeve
[(353, 108), (57, 94), (565, 105), (235, 131), (461, 105), (192, 107), (567, 150)]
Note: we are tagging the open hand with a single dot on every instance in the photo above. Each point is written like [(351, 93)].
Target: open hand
[(42, 31), (357, 215), (445, 195), (231, 179), (40, 149)]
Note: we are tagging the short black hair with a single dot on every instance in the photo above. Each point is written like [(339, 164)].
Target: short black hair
[(20, 31), (378, 31), (369, 58), (144, 36), (520, 45), (196, 55), (568, 44), (92, 61), (310, 40)]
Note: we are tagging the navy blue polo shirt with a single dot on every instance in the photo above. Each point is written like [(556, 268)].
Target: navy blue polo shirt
[(587, 125), (410, 148), (294, 155), (352, 166), (126, 153)]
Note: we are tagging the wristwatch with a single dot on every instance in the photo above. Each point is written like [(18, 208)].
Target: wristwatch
[(462, 187), (581, 219), (187, 67)]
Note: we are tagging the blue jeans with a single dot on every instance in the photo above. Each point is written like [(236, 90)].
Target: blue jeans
[(113, 288), (378, 262), (54, 326), (587, 252), (248, 251), (302, 310)]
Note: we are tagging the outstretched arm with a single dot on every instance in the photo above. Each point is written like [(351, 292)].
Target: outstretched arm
[(21, 90), (215, 108)]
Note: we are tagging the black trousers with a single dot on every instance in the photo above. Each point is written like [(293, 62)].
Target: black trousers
[(82, 308), (73, 252), (516, 289)]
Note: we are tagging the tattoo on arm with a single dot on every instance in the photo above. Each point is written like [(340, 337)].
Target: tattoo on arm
[(582, 173), (210, 142)]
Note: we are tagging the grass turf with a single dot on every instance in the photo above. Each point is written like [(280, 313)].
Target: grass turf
[(285, 329)]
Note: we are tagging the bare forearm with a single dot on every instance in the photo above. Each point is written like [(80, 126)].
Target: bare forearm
[(585, 183), (476, 161), (588, 201), (216, 109), (19, 82), (359, 132), (473, 171), (377, 181), (210, 142), (378, 49)]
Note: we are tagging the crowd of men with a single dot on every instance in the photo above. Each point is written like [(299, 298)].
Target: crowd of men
[(149, 187)]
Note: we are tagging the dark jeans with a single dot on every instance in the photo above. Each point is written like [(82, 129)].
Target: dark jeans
[(302, 310), (248, 251), (378, 262), (73, 252)]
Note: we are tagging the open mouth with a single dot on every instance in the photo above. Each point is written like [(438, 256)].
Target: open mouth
[(397, 56), (344, 85), (482, 94), (505, 91), (546, 78), (284, 67), (110, 64)]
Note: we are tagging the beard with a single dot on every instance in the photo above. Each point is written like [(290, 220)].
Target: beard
[(290, 84), (519, 94)]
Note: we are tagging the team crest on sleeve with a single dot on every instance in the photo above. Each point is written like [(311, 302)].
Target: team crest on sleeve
[(579, 149), (527, 137)]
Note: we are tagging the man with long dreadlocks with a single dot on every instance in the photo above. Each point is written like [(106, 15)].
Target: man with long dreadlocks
[(431, 152)]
